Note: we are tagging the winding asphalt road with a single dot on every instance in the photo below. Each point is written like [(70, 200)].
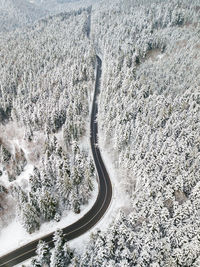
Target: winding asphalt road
[(94, 214)]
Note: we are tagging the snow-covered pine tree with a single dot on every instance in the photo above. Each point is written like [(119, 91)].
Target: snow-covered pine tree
[(62, 254), (43, 255)]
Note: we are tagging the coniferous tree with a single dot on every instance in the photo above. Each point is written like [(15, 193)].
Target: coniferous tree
[(43, 255), (62, 255)]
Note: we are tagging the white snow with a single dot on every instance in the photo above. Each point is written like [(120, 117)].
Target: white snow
[(160, 56), (14, 236), (11, 236), (4, 179), (21, 180), (24, 263)]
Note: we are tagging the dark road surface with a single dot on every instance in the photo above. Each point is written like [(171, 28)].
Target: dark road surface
[(94, 214)]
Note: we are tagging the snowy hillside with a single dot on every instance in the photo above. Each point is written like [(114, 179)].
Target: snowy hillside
[(16, 13), (56, 6)]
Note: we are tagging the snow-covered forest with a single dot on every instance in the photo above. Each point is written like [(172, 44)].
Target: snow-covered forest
[(148, 117), (14, 14), (19, 13), (47, 76)]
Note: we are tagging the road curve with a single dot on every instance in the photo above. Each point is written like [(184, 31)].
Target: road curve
[(94, 214)]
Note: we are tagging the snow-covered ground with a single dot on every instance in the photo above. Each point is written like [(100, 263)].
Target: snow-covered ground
[(21, 179), (14, 235), (24, 263)]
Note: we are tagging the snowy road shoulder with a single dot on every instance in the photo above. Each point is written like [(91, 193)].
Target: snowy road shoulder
[(119, 198)]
